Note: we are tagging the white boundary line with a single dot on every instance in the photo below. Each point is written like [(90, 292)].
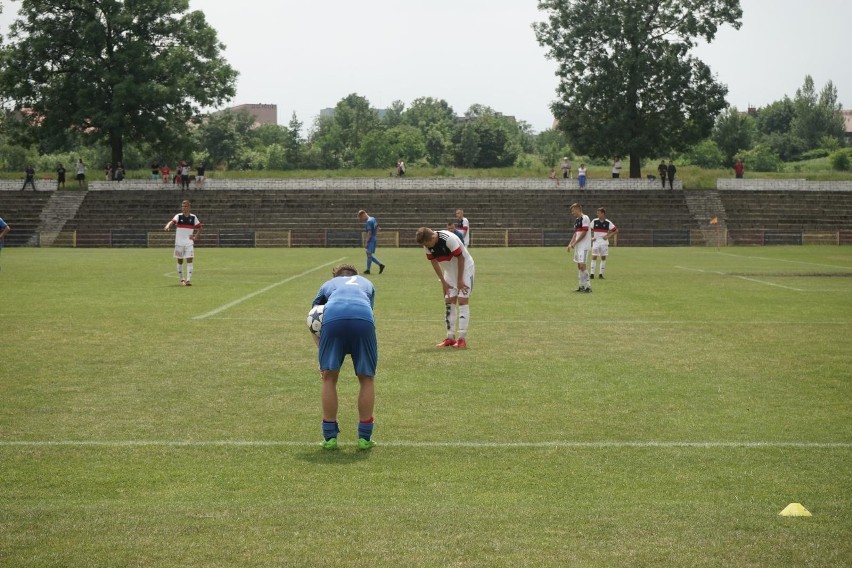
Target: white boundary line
[(221, 309), (836, 267), (613, 322), (404, 444), (740, 277)]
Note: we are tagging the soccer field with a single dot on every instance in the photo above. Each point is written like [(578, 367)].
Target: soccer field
[(663, 420)]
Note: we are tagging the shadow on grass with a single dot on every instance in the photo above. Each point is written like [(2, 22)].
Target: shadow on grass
[(343, 456)]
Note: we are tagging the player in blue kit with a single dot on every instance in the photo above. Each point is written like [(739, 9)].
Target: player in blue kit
[(4, 228), (371, 227), (348, 328)]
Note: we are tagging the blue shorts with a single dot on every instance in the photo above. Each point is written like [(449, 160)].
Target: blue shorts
[(353, 337), (371, 246)]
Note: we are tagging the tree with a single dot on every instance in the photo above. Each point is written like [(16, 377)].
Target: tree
[(776, 118), (816, 115), (339, 136), (497, 139), (628, 85), (225, 135), (733, 132), (114, 70)]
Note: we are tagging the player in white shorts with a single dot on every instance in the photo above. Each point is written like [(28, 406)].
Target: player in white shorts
[(185, 236), (581, 243), (602, 230), (455, 269)]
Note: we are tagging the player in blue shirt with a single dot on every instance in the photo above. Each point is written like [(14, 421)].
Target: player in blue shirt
[(371, 227), (348, 328)]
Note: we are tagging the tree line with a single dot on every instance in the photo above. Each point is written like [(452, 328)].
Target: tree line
[(133, 82)]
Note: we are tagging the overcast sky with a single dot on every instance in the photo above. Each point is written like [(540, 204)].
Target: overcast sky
[(304, 56)]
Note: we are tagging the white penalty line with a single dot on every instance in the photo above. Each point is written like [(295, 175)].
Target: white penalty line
[(555, 444), (221, 309)]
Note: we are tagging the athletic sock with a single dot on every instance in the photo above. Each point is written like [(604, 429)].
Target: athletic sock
[(451, 320), (365, 428), (464, 320), (330, 429), (189, 271), (586, 279), (369, 263), (180, 271), (593, 266), (603, 265), (580, 279)]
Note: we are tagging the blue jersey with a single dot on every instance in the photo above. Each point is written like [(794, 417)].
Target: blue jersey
[(346, 297), (371, 227), (3, 224)]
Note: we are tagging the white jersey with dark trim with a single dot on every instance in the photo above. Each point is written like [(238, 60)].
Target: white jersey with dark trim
[(185, 225), (601, 228), (448, 247), (583, 224)]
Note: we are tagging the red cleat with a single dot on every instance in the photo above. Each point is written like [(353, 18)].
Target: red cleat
[(447, 343), (461, 344)]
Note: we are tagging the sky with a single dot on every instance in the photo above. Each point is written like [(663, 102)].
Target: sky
[(304, 56)]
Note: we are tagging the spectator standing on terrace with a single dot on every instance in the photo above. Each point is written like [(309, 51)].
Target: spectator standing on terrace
[(155, 170), (400, 168), (371, 228), (108, 172), (4, 229), (119, 172), (739, 168), (661, 171), (81, 172), (29, 177), (580, 245), (348, 328), (166, 173), (602, 230), (581, 176), (463, 225), (184, 176), (616, 168), (566, 168), (186, 236), (60, 177), (670, 173), (553, 176), (454, 266), (199, 176)]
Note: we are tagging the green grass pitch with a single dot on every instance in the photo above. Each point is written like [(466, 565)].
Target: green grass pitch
[(663, 420)]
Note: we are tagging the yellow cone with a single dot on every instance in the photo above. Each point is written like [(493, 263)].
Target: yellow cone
[(795, 510)]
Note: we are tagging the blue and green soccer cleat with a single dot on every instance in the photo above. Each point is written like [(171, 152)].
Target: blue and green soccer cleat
[(330, 444), (365, 444)]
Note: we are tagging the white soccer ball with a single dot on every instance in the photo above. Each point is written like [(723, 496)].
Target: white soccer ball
[(315, 319)]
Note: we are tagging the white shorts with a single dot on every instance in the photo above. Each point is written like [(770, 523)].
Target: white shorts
[(451, 276), (600, 247), (581, 254), (184, 251)]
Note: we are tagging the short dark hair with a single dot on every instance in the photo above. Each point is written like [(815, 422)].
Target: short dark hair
[(344, 270), (602, 210), (423, 234)]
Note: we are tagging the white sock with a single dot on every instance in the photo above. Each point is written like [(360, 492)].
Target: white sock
[(593, 266), (180, 271), (580, 278), (586, 279), (189, 271), (452, 315), (603, 265), (464, 319)]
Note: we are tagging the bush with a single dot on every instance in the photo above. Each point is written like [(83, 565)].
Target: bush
[(705, 154), (814, 154), (839, 161), (762, 159)]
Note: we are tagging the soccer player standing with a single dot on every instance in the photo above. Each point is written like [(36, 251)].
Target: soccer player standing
[(602, 230), (4, 229), (454, 266), (463, 225), (580, 244), (348, 328), (371, 228), (185, 237)]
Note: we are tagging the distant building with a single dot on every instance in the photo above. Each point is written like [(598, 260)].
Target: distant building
[(847, 121), (262, 113)]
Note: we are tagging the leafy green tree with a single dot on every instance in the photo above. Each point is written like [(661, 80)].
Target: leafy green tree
[(224, 137), (628, 85), (437, 146), (839, 160), (776, 117), (436, 120), (115, 71), (788, 146), (393, 115), (551, 146), (268, 134), (817, 115), (339, 137), (734, 131), (497, 136), (293, 144)]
